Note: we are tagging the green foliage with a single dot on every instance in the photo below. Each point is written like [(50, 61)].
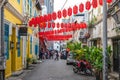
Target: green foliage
[(34, 60), (74, 46), (92, 54), (96, 58)]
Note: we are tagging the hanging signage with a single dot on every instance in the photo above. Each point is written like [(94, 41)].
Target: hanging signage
[(23, 31)]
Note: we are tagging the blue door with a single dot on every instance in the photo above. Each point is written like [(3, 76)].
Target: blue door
[(6, 40), (36, 50), (18, 45)]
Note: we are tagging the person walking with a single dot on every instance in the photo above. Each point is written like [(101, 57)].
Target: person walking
[(41, 54), (56, 55)]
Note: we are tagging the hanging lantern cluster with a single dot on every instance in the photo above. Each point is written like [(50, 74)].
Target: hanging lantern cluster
[(42, 20), (65, 27)]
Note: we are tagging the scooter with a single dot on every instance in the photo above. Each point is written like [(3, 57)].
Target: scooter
[(82, 67)]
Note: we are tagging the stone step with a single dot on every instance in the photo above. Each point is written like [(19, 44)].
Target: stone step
[(17, 73)]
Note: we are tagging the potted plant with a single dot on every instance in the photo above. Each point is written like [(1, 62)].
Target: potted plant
[(34, 60), (91, 22), (29, 60), (96, 59)]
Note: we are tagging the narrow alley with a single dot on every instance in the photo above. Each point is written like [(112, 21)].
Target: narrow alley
[(55, 70)]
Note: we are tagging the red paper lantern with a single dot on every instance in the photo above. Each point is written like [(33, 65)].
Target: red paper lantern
[(75, 9), (58, 25), (69, 11), (101, 2), (35, 22), (94, 3), (54, 15), (81, 7), (81, 25), (65, 25), (73, 25), (59, 14), (45, 18), (109, 1), (77, 26), (41, 19), (88, 5), (53, 25), (32, 21), (62, 25), (49, 24), (69, 25), (44, 24), (41, 25), (64, 13), (84, 25), (49, 17), (29, 23)]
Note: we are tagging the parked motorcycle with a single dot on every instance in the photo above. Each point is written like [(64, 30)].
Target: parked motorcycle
[(82, 66)]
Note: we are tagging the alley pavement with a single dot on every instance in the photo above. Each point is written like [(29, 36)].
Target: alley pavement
[(55, 70)]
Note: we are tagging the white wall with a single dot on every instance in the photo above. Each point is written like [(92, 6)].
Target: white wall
[(56, 45)]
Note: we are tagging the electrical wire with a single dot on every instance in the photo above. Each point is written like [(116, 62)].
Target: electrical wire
[(64, 4)]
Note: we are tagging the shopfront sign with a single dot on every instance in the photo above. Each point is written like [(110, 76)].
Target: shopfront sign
[(23, 31)]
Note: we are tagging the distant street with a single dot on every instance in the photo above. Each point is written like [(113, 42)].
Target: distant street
[(55, 70)]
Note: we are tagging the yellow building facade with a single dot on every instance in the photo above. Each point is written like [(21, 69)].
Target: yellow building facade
[(13, 16), (18, 48), (29, 44)]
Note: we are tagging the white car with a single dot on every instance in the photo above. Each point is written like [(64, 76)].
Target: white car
[(70, 59)]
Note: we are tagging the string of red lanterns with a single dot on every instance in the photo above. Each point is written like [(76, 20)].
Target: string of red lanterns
[(58, 37), (64, 13), (69, 27)]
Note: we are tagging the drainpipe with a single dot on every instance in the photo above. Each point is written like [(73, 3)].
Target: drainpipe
[(2, 55)]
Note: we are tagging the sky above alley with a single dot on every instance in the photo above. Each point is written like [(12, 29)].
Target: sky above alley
[(58, 4)]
